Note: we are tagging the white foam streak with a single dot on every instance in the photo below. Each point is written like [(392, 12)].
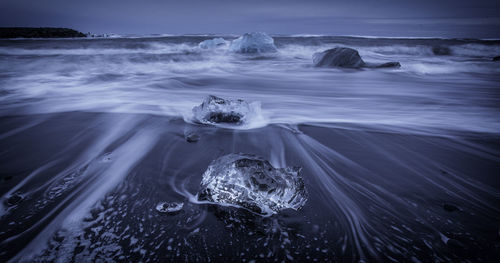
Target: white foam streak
[(126, 157), (160, 78)]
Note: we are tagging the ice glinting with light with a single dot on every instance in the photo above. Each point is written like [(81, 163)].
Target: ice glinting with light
[(213, 43), (250, 182), (166, 207), (255, 42), (218, 110), (228, 113)]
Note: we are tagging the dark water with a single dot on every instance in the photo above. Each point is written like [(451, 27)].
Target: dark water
[(400, 164)]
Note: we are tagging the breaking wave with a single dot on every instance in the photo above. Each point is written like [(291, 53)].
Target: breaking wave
[(170, 75)]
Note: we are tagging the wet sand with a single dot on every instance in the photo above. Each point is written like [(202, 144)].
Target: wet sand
[(84, 186)]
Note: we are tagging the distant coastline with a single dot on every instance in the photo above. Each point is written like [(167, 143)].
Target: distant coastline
[(54, 32), (39, 32)]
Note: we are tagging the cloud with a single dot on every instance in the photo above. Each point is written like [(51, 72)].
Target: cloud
[(354, 17)]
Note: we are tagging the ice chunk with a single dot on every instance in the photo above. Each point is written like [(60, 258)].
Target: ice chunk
[(233, 114), (218, 110), (255, 42), (253, 183), (345, 57), (213, 43), (165, 207)]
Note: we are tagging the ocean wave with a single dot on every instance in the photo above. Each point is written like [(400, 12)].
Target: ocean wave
[(170, 78), (476, 50), (141, 48), (425, 50)]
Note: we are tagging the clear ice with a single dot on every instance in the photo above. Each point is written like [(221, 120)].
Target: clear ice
[(166, 207), (218, 110), (255, 42), (212, 43), (251, 182)]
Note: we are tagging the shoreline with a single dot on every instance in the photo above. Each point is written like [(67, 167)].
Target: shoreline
[(80, 35), (368, 186)]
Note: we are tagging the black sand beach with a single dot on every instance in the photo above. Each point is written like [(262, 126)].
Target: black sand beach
[(374, 194)]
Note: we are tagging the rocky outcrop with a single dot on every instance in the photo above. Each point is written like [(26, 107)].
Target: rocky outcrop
[(344, 57), (338, 57)]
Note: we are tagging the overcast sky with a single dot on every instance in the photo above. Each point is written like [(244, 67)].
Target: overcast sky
[(418, 18)]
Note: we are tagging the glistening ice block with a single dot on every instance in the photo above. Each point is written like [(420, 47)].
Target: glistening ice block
[(253, 183), (255, 42), (219, 110)]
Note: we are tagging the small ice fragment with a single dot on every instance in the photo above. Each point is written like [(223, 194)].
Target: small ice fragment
[(166, 207), (106, 158), (212, 43)]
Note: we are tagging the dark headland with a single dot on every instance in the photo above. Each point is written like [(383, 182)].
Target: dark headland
[(38, 32)]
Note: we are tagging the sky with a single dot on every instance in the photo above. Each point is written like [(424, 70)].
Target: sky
[(393, 18)]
